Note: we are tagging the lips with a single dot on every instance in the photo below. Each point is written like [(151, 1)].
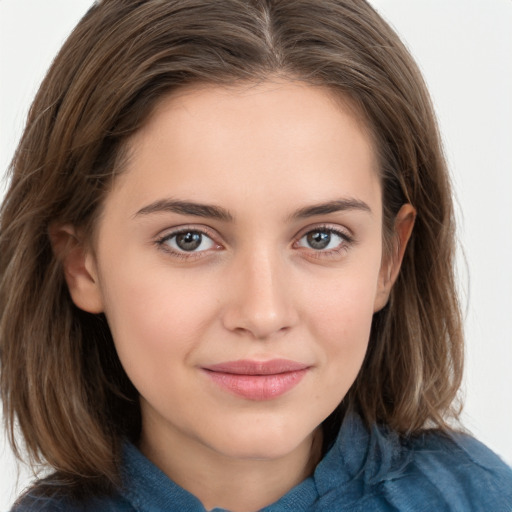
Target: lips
[(257, 380)]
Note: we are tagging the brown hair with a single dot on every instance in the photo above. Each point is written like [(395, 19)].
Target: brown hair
[(61, 380)]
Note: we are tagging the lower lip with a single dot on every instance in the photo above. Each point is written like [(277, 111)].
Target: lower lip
[(257, 387)]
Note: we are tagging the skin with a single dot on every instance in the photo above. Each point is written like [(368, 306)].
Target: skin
[(254, 289)]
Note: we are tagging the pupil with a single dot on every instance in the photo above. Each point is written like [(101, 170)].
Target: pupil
[(319, 239), (189, 241)]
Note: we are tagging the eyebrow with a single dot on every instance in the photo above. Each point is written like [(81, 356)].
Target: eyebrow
[(331, 207), (217, 212), (187, 208)]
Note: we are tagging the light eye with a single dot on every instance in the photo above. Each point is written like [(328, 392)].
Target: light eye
[(188, 241), (322, 240)]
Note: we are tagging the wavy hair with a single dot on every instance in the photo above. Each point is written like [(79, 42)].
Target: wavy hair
[(61, 380)]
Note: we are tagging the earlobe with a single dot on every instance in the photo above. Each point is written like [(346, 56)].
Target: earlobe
[(79, 267), (404, 223)]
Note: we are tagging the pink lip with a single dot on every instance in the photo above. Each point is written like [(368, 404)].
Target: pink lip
[(257, 380)]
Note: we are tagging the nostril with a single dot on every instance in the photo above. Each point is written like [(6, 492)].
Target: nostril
[(260, 302), (258, 323)]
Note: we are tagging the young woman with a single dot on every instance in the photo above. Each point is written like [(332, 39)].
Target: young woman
[(226, 256)]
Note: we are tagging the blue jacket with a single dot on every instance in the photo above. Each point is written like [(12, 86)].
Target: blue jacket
[(365, 470)]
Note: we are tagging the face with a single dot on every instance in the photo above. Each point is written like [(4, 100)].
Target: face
[(238, 260)]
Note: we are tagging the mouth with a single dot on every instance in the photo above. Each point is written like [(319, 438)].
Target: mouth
[(257, 380)]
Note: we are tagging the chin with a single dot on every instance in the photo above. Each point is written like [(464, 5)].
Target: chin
[(263, 442)]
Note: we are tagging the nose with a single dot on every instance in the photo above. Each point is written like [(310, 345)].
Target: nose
[(260, 297)]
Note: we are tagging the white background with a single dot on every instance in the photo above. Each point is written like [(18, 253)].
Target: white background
[(464, 48)]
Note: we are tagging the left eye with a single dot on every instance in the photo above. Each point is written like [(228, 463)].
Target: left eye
[(322, 240), (189, 241)]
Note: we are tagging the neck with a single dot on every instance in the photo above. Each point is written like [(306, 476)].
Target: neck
[(235, 484)]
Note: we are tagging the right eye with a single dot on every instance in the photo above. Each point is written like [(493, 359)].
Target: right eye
[(191, 241)]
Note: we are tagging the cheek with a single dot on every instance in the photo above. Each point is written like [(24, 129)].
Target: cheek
[(156, 319), (340, 318), (344, 327), (341, 306)]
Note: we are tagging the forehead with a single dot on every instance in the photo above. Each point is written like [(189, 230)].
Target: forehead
[(253, 140), (274, 104)]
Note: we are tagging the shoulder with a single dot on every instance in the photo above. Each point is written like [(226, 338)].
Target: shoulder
[(377, 469), (35, 501), (456, 471)]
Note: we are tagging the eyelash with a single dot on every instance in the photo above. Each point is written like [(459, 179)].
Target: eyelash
[(162, 242), (347, 241), (344, 246)]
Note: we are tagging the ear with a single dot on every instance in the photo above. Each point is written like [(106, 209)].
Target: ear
[(79, 267), (404, 223)]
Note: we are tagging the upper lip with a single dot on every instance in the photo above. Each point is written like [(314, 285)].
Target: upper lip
[(250, 367)]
